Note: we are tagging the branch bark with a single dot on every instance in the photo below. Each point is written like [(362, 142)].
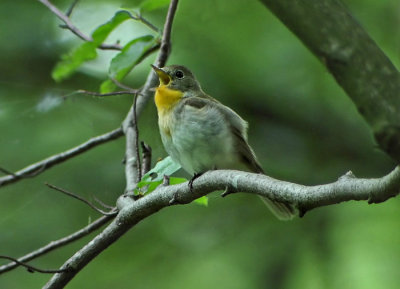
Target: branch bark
[(143, 97), (39, 167), (68, 24), (305, 198), (58, 243), (323, 25), (359, 66)]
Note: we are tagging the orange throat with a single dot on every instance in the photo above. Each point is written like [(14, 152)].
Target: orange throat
[(166, 98)]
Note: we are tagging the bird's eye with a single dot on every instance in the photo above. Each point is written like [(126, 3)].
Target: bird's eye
[(179, 74)]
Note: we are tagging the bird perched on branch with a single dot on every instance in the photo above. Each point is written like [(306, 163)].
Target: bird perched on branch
[(202, 134)]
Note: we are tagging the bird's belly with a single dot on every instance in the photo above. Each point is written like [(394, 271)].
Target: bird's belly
[(200, 145)]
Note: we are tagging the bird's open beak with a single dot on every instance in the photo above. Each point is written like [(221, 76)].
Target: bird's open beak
[(162, 75)]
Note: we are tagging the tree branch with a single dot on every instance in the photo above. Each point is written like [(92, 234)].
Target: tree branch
[(94, 93), (112, 212), (146, 158), (71, 8), (41, 166), (68, 24), (145, 94), (359, 66), (58, 243), (305, 198), (31, 268)]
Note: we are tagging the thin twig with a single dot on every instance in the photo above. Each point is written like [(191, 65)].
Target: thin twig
[(140, 18), (124, 86), (136, 128), (111, 213), (93, 93), (7, 172), (32, 269), (146, 158), (71, 8), (58, 243), (102, 203), (74, 29), (166, 38), (41, 166)]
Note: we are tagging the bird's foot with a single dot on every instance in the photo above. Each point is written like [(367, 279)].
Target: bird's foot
[(195, 176)]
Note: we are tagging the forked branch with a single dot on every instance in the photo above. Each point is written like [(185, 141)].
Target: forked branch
[(304, 197)]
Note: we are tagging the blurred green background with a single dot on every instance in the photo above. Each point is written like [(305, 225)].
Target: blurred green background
[(302, 127)]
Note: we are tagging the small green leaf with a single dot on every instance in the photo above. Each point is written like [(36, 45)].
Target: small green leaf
[(123, 62), (126, 60), (102, 32), (107, 86), (166, 166), (175, 181), (71, 61), (155, 176), (149, 5), (203, 201)]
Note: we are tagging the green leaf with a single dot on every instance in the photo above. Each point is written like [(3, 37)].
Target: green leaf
[(203, 201), (126, 60), (71, 61), (166, 166), (102, 32), (154, 177), (149, 5), (107, 86), (175, 181)]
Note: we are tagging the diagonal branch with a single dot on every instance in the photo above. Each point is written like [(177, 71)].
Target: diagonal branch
[(146, 93), (31, 268), (71, 8), (94, 93), (113, 212), (41, 166), (305, 198), (69, 25), (359, 66), (146, 158), (58, 243), (108, 236)]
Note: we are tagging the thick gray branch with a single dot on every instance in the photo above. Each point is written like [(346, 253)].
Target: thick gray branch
[(360, 67), (304, 197)]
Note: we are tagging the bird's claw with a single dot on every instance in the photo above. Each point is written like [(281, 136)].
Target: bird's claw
[(195, 176)]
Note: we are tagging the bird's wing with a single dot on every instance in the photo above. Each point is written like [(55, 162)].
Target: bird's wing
[(238, 126)]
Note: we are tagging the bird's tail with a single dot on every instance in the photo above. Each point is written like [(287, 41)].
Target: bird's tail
[(283, 211)]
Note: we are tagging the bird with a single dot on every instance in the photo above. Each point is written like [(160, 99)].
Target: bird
[(202, 134)]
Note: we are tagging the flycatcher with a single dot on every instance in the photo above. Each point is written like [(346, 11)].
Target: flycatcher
[(202, 134)]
